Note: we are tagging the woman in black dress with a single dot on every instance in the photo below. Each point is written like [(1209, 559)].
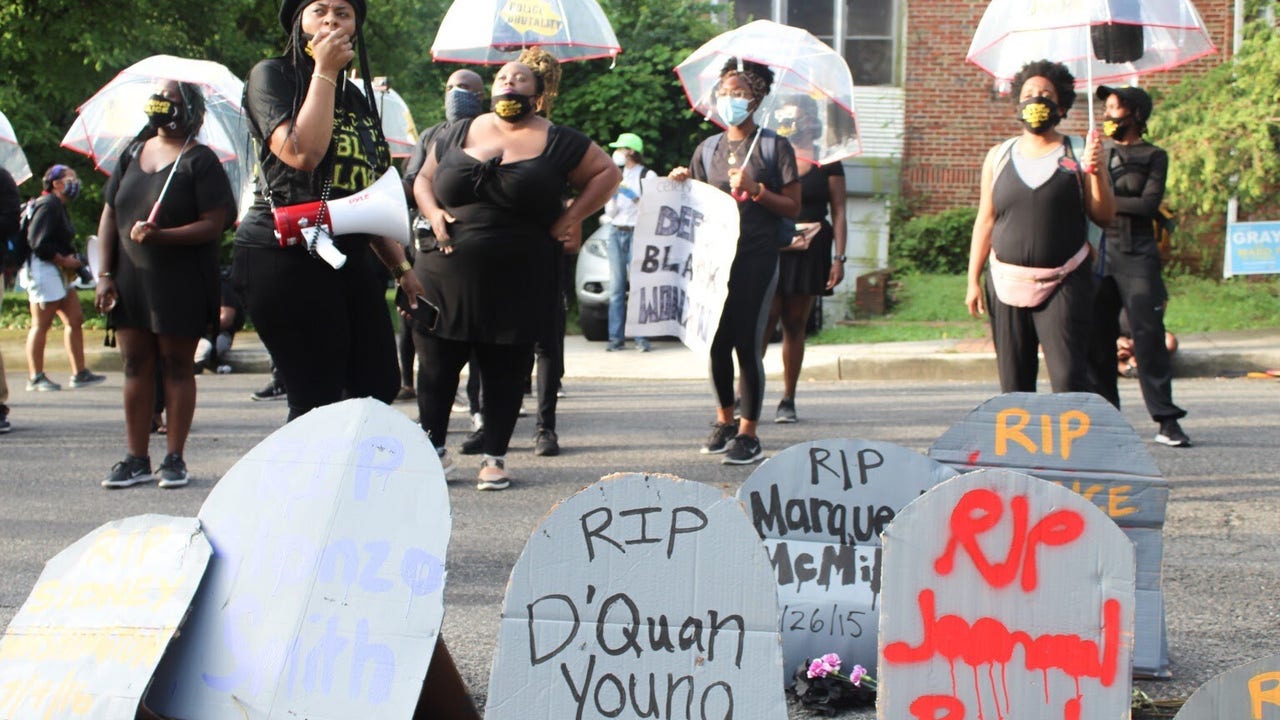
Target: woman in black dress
[(766, 196), (806, 268), (318, 138), (160, 277), (492, 187)]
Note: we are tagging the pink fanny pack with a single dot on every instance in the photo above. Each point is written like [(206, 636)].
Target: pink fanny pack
[(1029, 286)]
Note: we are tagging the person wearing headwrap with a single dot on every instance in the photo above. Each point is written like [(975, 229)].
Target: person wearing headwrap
[(1130, 267), (767, 194), (319, 138), (492, 188)]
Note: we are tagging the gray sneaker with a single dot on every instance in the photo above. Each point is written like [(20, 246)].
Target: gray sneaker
[(173, 472), (786, 411), (85, 378), (744, 450), (129, 472), (718, 441), (41, 383)]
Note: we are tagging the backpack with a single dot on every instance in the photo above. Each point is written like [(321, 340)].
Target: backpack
[(769, 153), (17, 249)]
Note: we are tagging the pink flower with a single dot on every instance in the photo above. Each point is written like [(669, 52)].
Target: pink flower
[(856, 675), (818, 669), (832, 661)]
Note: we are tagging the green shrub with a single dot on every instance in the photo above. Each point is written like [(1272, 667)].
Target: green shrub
[(936, 243)]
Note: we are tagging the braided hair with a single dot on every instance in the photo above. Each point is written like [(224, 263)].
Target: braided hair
[(757, 76), (546, 72)]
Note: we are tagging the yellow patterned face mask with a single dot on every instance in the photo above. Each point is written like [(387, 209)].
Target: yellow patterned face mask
[(511, 106), (1039, 115)]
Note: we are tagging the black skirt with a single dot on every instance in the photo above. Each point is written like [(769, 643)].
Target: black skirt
[(806, 273)]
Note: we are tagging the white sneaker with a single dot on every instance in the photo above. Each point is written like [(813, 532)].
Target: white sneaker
[(493, 475)]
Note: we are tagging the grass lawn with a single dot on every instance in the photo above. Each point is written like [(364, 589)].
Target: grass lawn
[(931, 307)]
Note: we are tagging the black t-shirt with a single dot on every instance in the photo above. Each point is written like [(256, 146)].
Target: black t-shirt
[(758, 227), (51, 232), (358, 153), (815, 192)]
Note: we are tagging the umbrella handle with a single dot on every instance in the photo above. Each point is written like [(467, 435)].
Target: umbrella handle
[(740, 195), (155, 211)]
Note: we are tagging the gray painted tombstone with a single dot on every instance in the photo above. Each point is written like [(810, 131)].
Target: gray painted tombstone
[(326, 590), (1005, 596), (640, 596), (1079, 441), (1247, 692), (88, 638), (820, 507)]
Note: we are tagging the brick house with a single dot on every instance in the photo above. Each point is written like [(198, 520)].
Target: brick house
[(926, 116)]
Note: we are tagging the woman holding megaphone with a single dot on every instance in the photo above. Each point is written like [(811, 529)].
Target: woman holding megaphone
[(309, 281)]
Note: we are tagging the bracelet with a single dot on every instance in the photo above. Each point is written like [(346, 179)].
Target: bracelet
[(398, 271), (840, 258), (104, 275), (326, 78), (759, 194)]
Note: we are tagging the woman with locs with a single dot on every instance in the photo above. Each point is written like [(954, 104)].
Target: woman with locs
[(1037, 195), (766, 195), (491, 188), (318, 138), (166, 206)]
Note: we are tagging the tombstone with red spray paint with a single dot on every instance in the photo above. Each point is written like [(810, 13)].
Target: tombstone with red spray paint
[(1005, 596)]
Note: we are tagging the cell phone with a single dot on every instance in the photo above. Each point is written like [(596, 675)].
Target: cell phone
[(426, 315)]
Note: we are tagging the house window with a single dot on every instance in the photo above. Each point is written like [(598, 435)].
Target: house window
[(863, 31)]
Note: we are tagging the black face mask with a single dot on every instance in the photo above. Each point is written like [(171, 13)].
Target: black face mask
[(1115, 127), (512, 106), (1039, 115), (162, 112)]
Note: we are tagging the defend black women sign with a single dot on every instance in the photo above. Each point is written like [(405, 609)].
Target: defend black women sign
[(642, 596)]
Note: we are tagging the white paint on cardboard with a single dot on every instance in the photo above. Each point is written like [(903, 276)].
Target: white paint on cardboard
[(326, 591)]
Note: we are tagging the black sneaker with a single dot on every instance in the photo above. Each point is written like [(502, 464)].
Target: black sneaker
[(546, 443), (273, 391), (4, 419), (129, 472), (744, 450), (85, 378), (474, 443), (173, 472), (718, 441), (1171, 434), (786, 411), (41, 383)]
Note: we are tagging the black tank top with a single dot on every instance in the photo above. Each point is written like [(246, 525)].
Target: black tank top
[(1042, 226)]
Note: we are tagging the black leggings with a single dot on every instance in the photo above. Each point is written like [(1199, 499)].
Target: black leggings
[(503, 369), (752, 281), (328, 331)]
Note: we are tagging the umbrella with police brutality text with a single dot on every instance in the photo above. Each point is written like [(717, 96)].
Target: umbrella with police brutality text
[(811, 101), (11, 156), (112, 118), (495, 31)]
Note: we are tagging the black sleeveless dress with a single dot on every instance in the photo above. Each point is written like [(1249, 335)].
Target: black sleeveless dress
[(497, 284)]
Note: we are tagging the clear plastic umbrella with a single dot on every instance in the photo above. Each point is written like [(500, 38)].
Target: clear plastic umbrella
[(1100, 41), (11, 156), (110, 119), (495, 31), (812, 84)]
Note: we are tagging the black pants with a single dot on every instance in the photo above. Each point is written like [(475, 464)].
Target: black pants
[(1142, 296), (752, 281), (1061, 325), (328, 331), (548, 352), (503, 369)]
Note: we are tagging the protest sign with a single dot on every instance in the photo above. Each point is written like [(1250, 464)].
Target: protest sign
[(1247, 692), (325, 594), (1253, 248), (685, 240), (820, 507), (86, 641), (1004, 596), (641, 596), (1081, 442)]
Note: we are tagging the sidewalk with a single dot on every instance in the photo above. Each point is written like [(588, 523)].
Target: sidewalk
[(1199, 355)]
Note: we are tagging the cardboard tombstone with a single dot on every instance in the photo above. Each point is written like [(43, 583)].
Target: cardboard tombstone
[(1005, 596), (1250, 691), (88, 638), (820, 507), (640, 596), (1081, 442), (325, 594)]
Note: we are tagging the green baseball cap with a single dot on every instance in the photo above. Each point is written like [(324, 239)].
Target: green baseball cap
[(630, 141)]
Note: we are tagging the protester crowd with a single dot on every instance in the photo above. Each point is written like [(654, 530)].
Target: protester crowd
[(499, 197)]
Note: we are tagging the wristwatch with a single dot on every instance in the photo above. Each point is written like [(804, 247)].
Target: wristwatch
[(840, 258), (398, 271)]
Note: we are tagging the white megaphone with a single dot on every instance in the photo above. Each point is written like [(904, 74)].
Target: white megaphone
[(379, 209)]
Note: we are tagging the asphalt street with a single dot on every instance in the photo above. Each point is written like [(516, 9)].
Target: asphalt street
[(1222, 581)]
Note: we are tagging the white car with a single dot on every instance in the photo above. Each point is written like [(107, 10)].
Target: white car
[(591, 285)]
